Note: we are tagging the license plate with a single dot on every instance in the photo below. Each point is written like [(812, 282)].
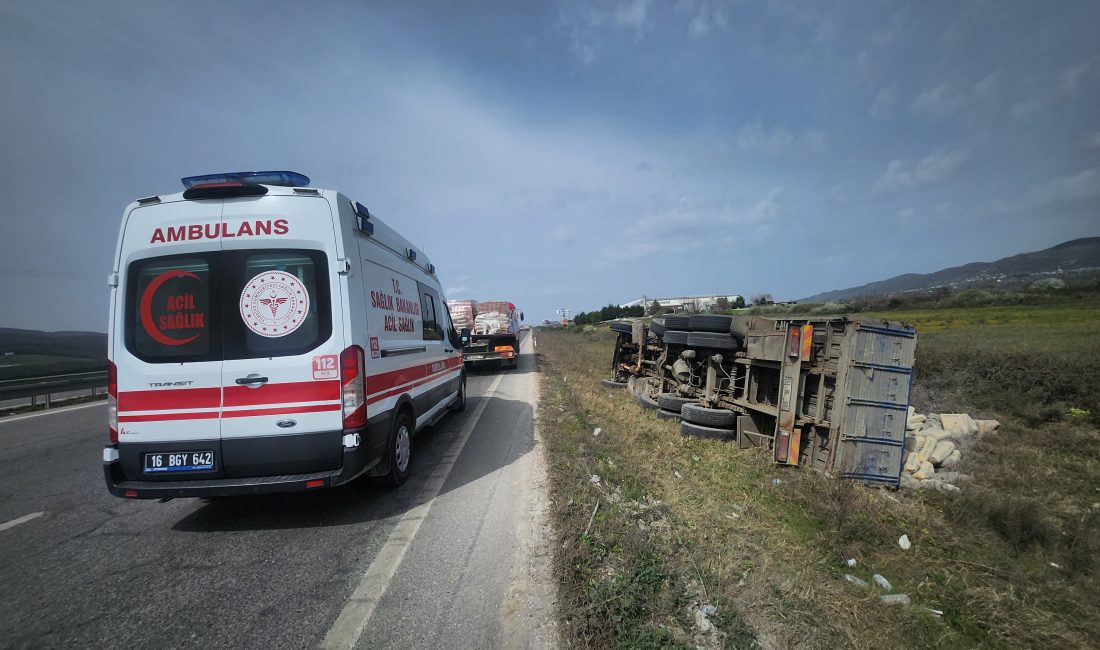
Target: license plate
[(475, 357), (179, 461)]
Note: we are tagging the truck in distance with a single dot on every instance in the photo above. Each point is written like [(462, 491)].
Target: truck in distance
[(490, 331)]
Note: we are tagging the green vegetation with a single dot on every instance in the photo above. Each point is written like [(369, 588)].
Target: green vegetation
[(1011, 561), (607, 313), (18, 366)]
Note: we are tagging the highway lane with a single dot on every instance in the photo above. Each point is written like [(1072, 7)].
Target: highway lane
[(277, 571)]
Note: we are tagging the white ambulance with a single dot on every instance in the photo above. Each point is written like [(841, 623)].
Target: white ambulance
[(267, 336)]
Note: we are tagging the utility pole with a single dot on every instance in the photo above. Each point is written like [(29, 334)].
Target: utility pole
[(564, 313)]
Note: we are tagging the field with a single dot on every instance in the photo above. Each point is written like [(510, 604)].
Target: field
[(18, 366), (652, 526)]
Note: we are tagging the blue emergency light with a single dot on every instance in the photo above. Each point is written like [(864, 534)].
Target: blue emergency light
[(283, 178)]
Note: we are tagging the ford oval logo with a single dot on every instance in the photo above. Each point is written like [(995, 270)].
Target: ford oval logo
[(286, 424)]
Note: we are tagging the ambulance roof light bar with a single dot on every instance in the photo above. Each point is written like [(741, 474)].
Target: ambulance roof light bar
[(283, 178)]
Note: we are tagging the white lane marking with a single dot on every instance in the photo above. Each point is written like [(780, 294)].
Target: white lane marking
[(22, 520), (52, 411), (368, 593)]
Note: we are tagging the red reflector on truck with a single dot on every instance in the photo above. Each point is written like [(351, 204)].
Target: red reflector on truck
[(315, 483), (130, 493)]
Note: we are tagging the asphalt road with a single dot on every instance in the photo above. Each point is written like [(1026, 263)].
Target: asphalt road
[(454, 558)]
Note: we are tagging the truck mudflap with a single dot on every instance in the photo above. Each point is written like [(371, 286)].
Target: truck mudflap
[(878, 375)]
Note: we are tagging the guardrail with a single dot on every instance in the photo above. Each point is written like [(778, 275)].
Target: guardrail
[(48, 386)]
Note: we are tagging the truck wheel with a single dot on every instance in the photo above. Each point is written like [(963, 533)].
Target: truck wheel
[(667, 415), (673, 402), (611, 383), (459, 405), (398, 451), (625, 328), (674, 337), (713, 341), (657, 326), (710, 323), (720, 418), (700, 431), (646, 402), (677, 322)]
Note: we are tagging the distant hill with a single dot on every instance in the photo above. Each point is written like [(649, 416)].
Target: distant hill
[(1070, 259), (88, 345)]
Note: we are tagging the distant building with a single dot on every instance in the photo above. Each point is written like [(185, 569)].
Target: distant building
[(684, 303)]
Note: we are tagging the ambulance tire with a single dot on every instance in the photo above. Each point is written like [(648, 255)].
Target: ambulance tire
[(459, 405), (398, 451)]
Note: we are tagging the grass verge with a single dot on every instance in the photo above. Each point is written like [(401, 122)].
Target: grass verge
[(673, 523)]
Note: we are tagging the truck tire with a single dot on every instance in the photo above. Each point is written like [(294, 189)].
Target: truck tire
[(611, 383), (673, 402), (624, 328), (700, 431), (713, 341), (646, 402), (719, 418), (710, 323), (657, 326), (667, 415), (672, 337), (677, 322)]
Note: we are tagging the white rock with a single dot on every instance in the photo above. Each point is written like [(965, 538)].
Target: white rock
[(904, 542), (908, 482), (925, 472), (936, 433), (911, 442), (941, 452), (927, 446), (987, 426), (915, 421), (912, 462), (959, 424), (953, 460)]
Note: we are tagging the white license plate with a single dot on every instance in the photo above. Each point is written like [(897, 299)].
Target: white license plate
[(179, 461), (475, 357)]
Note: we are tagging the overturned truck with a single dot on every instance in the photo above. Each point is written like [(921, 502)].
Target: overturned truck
[(827, 393)]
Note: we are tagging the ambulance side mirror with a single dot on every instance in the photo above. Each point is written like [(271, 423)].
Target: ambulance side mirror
[(464, 337)]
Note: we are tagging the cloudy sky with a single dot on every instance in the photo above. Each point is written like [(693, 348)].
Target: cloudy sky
[(569, 153)]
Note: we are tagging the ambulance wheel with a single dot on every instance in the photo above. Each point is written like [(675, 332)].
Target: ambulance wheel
[(399, 451), (459, 405)]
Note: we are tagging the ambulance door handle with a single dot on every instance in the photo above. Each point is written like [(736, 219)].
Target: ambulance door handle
[(252, 381)]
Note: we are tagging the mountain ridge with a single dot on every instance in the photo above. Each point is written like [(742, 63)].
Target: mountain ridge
[(1069, 258)]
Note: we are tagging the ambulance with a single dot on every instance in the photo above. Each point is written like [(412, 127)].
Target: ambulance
[(269, 336)]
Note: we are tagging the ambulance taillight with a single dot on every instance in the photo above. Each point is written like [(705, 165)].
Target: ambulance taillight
[(112, 401), (353, 393)]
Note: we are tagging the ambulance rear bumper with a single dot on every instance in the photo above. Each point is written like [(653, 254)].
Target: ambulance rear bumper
[(355, 463)]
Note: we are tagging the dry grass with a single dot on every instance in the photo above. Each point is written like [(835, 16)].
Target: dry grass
[(683, 522)]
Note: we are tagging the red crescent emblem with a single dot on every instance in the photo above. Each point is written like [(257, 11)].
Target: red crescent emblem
[(147, 308)]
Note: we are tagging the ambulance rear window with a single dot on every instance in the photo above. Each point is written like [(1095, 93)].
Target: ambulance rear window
[(168, 310), (219, 305), (280, 302)]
